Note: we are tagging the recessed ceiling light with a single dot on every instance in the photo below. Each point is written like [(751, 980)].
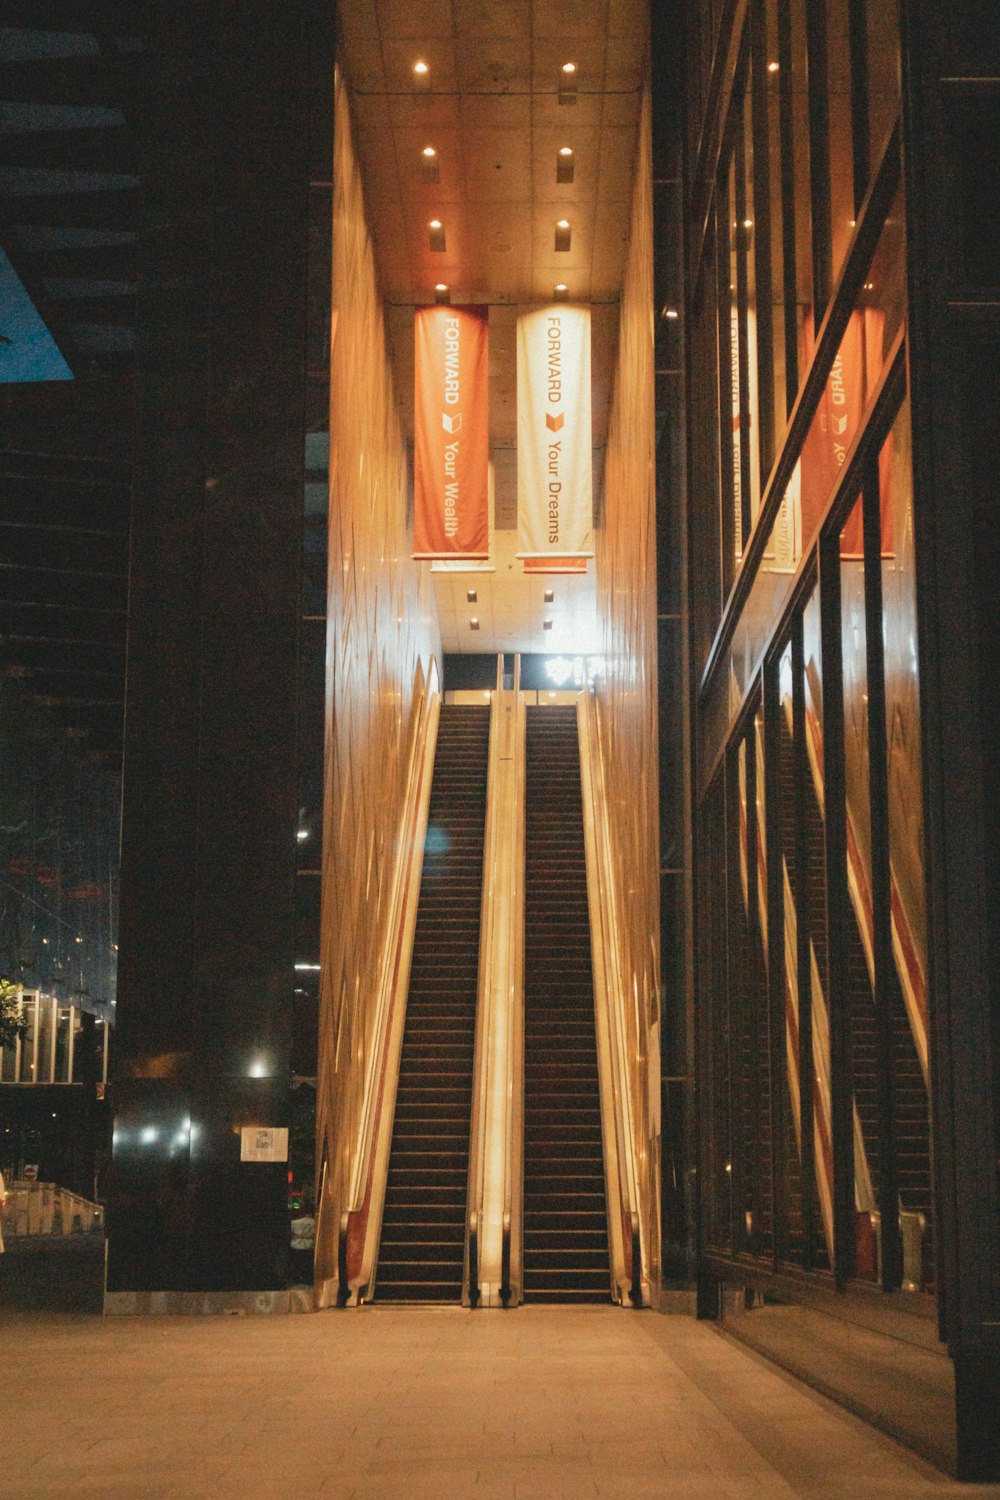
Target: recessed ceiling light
[(435, 224), (560, 291), (563, 234), (563, 223), (565, 164), (436, 234), (773, 67), (546, 624), (569, 67), (549, 595), (474, 623), (429, 151), (567, 83), (441, 286), (420, 68), (472, 596)]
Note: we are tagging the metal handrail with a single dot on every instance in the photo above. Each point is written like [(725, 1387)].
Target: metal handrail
[(481, 1067), (360, 1222), (493, 1217), (513, 1202), (625, 1225)]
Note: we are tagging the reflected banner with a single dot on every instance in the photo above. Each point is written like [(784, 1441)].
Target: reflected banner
[(554, 482), (451, 433)]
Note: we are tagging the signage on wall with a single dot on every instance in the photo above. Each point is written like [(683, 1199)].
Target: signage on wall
[(451, 433), (263, 1143), (554, 477)]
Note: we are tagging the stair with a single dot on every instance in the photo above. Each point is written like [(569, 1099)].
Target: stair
[(565, 1214), (422, 1250)]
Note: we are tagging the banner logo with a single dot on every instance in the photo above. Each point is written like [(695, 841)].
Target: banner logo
[(554, 424), (451, 424)]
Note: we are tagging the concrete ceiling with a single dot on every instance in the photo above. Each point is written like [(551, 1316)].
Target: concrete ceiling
[(497, 108)]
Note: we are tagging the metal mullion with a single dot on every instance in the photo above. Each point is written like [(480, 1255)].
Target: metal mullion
[(755, 969), (789, 263), (884, 963), (727, 492), (734, 1011), (742, 242), (776, 964), (803, 907), (763, 280), (837, 906), (819, 156)]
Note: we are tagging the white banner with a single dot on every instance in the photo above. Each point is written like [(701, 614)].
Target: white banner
[(554, 484)]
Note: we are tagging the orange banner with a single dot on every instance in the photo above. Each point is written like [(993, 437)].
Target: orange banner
[(451, 433)]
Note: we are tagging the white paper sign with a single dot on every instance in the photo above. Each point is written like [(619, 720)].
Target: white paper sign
[(263, 1143)]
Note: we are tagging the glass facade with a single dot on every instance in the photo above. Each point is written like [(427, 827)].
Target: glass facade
[(812, 958)]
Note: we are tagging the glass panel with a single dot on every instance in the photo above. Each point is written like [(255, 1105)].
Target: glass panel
[(62, 1044), (46, 1039), (800, 172), (733, 351), (842, 205), (749, 332), (774, 82), (906, 856), (858, 920), (716, 1060), (882, 52)]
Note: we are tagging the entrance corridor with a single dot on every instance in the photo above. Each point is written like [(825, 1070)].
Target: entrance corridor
[(417, 1404)]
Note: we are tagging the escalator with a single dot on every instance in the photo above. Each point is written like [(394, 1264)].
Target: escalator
[(566, 1257), (422, 1248)]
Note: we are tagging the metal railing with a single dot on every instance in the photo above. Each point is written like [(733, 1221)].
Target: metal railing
[(494, 1212), (360, 1220), (625, 1233)]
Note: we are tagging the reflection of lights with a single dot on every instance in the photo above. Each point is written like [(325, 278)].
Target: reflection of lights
[(148, 1134), (307, 966), (773, 67), (258, 1067), (302, 834), (559, 669)]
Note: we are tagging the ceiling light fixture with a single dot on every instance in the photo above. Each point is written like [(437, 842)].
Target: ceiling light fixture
[(549, 595), (565, 164), (546, 624), (569, 67), (435, 230), (473, 623), (564, 234), (567, 83), (560, 291), (421, 75), (773, 67), (671, 313), (442, 293), (472, 596)]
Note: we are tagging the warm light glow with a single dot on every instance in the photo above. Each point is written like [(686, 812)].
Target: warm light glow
[(565, 150), (671, 312), (562, 224), (435, 224), (748, 223), (473, 623), (561, 286), (569, 67), (420, 68), (429, 151), (471, 596), (549, 596), (772, 67), (440, 286)]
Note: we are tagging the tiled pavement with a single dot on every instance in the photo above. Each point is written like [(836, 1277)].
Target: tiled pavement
[(414, 1404)]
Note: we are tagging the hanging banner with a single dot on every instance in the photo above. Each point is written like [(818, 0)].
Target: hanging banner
[(451, 433), (554, 484), (853, 377)]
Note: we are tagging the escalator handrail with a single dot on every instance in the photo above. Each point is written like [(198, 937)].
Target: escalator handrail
[(360, 1221), (622, 1187), (481, 1062)]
